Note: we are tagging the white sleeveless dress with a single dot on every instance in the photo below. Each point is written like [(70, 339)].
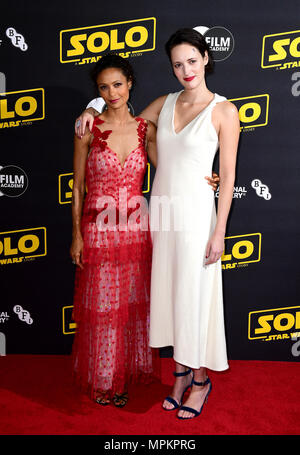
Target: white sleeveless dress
[(186, 295)]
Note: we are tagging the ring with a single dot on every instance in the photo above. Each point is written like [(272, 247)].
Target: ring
[(78, 123)]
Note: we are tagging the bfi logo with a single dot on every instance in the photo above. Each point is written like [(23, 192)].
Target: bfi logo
[(261, 189), (23, 315)]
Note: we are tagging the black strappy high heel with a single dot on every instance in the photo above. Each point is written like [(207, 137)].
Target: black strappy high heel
[(172, 400), (192, 410)]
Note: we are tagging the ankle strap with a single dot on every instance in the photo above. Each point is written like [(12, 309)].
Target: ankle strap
[(207, 381), (184, 373)]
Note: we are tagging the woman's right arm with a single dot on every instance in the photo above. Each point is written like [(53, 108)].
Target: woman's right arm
[(81, 147), (151, 143), (86, 119), (152, 111)]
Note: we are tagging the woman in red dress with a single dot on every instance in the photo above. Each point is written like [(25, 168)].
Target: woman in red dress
[(113, 257)]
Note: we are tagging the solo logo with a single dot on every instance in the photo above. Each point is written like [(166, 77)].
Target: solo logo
[(22, 245), (241, 250), (253, 110), (87, 44), (68, 324), (274, 324), (65, 186), (21, 107), (281, 50)]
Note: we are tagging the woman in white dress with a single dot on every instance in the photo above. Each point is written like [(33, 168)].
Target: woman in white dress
[(186, 280)]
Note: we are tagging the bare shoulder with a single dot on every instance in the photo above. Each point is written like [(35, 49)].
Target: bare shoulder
[(226, 109), (152, 111), (160, 100)]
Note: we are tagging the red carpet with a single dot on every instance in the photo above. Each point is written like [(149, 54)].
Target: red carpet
[(251, 398)]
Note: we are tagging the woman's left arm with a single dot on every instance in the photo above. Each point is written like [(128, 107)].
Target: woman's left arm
[(229, 130)]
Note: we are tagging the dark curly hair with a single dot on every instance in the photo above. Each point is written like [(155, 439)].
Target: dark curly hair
[(111, 60), (194, 38)]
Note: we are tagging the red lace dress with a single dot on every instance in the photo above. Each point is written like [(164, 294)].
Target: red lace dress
[(111, 299)]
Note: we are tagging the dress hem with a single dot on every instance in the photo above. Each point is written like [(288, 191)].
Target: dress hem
[(187, 364)]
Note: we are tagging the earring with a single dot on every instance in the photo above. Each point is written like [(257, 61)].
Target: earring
[(130, 108)]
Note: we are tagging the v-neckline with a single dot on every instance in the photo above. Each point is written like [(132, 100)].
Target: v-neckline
[(199, 113), (115, 153), (117, 156)]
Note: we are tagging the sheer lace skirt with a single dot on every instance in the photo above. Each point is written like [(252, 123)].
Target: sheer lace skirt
[(111, 311)]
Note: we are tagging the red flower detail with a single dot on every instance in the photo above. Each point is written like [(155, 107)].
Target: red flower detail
[(142, 130), (104, 134), (100, 137)]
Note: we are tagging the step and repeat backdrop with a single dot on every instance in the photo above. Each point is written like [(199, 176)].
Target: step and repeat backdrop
[(46, 53)]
